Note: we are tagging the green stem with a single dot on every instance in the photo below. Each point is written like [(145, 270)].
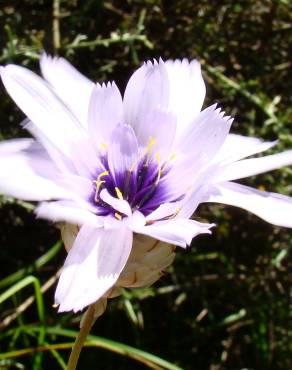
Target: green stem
[(87, 322)]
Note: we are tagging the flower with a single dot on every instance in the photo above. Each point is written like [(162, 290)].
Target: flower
[(111, 168)]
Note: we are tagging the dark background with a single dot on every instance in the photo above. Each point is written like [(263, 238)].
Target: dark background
[(224, 304)]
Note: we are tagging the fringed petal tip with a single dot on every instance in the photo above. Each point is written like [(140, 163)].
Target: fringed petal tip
[(153, 62), (93, 294), (193, 63), (46, 58), (179, 232), (62, 308)]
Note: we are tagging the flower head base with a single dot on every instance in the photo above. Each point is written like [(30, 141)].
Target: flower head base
[(112, 168), (146, 264)]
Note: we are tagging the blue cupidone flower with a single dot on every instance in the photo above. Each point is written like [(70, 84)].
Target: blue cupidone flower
[(125, 174)]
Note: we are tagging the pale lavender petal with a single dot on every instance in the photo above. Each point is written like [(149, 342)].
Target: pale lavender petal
[(105, 112), (166, 210), (62, 161), (133, 221), (178, 232), (272, 207), (92, 267), (33, 153), (85, 158), (81, 157), (137, 219), (68, 211), (183, 208), (237, 147), (204, 136), (24, 160), (81, 186), (179, 179), (186, 91), (254, 166), (123, 151), (20, 178), (146, 90), (194, 197), (194, 152), (42, 107), (13, 146), (70, 85), (157, 133), (120, 205)]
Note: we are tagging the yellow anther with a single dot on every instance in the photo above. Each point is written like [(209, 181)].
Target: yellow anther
[(103, 146), (143, 153), (104, 173), (152, 141), (170, 217), (176, 212), (118, 216), (158, 158), (172, 157), (148, 149), (98, 182), (119, 193)]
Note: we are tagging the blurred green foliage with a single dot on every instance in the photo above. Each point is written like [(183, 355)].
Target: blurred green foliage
[(224, 304)]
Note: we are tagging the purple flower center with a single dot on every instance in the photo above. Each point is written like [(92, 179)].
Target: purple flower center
[(141, 185)]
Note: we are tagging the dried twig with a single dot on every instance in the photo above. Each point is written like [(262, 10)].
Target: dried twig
[(56, 26)]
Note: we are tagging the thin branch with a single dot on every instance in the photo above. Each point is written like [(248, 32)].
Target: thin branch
[(56, 26), (114, 39), (29, 301)]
